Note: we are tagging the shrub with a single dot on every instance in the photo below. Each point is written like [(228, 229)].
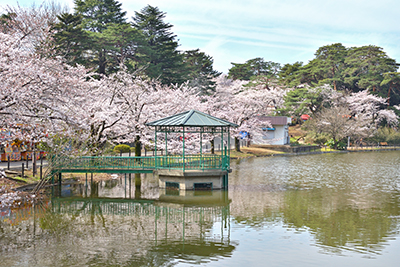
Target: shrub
[(293, 141), (316, 138), (386, 134), (321, 139), (122, 149), (341, 144)]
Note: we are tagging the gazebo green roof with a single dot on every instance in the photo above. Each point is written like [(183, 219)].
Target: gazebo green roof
[(192, 118)]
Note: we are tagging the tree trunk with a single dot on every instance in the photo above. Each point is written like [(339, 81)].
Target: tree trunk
[(138, 147), (102, 62), (334, 85), (138, 186), (212, 146), (237, 144)]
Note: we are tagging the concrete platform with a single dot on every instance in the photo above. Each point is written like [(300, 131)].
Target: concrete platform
[(192, 179), (193, 198)]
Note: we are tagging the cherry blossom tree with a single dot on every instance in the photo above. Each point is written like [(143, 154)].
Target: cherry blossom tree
[(240, 104), (338, 124), (371, 107), (122, 104), (34, 90), (357, 115), (40, 92)]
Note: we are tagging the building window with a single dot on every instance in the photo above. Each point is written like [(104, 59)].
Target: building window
[(171, 186), (202, 186)]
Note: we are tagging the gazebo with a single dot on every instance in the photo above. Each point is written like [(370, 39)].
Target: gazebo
[(175, 170)]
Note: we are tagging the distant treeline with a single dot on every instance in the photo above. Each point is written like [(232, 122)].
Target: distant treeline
[(98, 35)]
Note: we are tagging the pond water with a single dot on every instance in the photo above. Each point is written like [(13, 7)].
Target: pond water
[(311, 210)]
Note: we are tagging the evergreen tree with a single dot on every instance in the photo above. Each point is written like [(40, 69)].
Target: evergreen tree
[(100, 17), (98, 14), (330, 64), (200, 70), (253, 68), (288, 75), (6, 21), (354, 69), (365, 67), (392, 81), (240, 71), (160, 54), (70, 39), (306, 100), (122, 42)]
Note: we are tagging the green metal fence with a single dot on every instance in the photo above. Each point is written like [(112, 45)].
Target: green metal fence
[(188, 162)]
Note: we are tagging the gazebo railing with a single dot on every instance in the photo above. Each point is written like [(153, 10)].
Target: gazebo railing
[(193, 162), (88, 162), (188, 162)]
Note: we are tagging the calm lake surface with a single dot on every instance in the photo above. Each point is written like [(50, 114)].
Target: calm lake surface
[(311, 210)]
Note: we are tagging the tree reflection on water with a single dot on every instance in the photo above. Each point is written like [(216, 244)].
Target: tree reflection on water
[(122, 222)]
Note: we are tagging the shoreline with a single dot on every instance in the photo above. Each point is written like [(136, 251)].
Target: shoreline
[(280, 154), (11, 184)]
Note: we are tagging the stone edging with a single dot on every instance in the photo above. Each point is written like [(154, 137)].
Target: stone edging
[(329, 152)]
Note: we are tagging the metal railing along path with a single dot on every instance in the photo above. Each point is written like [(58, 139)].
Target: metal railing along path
[(108, 163)]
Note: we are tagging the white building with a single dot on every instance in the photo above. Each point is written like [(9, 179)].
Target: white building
[(276, 132)]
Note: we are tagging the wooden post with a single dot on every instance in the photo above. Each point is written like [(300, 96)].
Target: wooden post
[(34, 163), (59, 184), (22, 172), (59, 180)]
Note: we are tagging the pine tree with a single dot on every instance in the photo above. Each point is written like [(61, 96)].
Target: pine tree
[(252, 68), (365, 67), (99, 18), (200, 70), (330, 64), (70, 39), (98, 14), (160, 54)]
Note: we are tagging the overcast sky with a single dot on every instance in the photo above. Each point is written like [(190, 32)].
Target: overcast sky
[(283, 31)]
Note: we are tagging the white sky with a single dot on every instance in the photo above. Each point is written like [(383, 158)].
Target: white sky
[(283, 31)]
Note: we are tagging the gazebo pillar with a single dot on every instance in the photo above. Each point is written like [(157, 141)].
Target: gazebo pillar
[(166, 143), (183, 148), (222, 142), (201, 141), (193, 172), (155, 149)]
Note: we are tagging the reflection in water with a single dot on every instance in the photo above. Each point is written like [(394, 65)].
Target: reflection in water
[(154, 226), (339, 223), (99, 230), (344, 204), (347, 201)]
